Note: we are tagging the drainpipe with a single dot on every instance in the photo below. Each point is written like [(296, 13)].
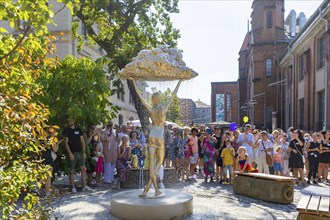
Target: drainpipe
[(292, 89), (325, 75)]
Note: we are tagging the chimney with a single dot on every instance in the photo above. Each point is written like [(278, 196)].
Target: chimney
[(302, 20), (293, 23)]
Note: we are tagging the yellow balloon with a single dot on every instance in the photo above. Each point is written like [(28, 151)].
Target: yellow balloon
[(245, 119)]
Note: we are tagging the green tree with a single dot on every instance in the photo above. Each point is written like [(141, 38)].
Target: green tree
[(174, 112), (23, 118), (124, 27), (78, 88)]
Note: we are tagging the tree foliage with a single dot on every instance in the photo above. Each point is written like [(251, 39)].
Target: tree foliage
[(78, 88), (23, 118), (124, 27)]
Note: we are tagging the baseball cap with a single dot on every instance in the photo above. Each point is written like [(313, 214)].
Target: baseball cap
[(248, 126)]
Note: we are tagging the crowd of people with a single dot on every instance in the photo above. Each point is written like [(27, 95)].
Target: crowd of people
[(218, 152), (212, 152)]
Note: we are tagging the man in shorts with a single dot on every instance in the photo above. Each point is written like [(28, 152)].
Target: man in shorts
[(75, 146)]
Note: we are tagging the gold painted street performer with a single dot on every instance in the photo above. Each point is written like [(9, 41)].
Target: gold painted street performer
[(159, 64), (157, 113)]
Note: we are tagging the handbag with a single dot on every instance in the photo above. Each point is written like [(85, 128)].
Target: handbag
[(302, 156), (269, 159), (134, 161)]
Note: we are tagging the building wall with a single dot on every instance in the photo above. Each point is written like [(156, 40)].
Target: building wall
[(202, 115), (187, 111), (258, 63), (309, 81), (226, 88), (68, 46)]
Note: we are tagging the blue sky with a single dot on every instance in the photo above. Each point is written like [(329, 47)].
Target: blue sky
[(212, 32)]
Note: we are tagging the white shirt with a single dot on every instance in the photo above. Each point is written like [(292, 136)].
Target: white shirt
[(264, 145)]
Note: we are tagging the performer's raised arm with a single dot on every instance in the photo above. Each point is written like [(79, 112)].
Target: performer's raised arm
[(168, 104), (148, 107)]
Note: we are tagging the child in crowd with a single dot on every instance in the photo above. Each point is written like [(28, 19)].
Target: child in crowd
[(227, 156), (278, 161), (98, 158), (187, 153), (313, 149), (242, 161)]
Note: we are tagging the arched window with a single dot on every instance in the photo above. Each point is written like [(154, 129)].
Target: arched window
[(268, 68), (269, 19)]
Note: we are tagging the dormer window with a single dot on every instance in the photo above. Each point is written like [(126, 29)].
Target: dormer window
[(269, 19)]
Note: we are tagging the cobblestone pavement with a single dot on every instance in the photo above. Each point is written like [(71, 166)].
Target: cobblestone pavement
[(210, 201)]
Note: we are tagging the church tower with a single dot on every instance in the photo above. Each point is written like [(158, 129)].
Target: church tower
[(259, 73), (267, 20)]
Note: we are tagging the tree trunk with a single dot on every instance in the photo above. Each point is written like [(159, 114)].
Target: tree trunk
[(141, 110)]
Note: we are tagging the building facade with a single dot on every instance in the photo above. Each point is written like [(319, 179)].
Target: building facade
[(284, 68), (187, 111), (305, 70), (202, 113), (66, 45), (224, 101), (258, 63)]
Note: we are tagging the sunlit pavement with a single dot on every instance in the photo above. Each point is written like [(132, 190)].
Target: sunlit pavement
[(211, 201)]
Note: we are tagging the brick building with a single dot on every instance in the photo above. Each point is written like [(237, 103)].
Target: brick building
[(224, 101), (258, 63), (305, 100), (284, 77)]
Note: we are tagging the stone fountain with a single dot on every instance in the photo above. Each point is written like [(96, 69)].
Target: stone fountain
[(159, 64)]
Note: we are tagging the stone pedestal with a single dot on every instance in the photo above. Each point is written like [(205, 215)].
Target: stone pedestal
[(172, 204), (265, 187), (134, 176)]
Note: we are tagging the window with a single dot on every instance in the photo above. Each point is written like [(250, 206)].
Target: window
[(83, 30), (269, 19), (320, 53), (220, 107), (228, 107), (301, 114), (120, 119), (121, 93), (268, 68), (301, 68), (321, 110)]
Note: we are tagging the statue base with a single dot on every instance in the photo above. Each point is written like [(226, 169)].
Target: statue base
[(172, 204)]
